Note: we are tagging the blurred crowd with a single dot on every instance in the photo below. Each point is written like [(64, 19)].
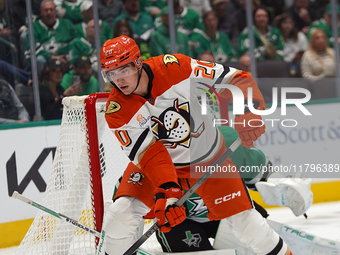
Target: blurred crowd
[(292, 39)]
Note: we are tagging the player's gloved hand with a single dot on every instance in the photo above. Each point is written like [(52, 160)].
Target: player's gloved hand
[(249, 127), (165, 208)]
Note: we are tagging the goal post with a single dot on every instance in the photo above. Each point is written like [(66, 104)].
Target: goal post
[(86, 168), (93, 151), (87, 165)]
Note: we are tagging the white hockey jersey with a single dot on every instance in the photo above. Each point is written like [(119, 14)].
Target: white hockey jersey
[(171, 114)]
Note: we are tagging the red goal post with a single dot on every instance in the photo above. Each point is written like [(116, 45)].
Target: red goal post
[(87, 165)]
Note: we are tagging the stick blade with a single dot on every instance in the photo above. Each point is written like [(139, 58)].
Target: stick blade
[(16, 194)]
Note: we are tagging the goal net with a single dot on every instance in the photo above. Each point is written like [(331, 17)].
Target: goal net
[(87, 165)]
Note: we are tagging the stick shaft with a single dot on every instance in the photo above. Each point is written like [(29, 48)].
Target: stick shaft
[(76, 223), (182, 200)]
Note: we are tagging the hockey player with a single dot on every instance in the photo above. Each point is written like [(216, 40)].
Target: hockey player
[(194, 233), (149, 111)]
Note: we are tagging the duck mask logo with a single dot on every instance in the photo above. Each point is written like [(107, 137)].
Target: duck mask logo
[(173, 125)]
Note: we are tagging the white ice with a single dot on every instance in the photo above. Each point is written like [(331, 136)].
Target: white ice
[(323, 221)]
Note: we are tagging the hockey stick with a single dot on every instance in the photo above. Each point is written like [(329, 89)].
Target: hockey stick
[(76, 223), (187, 194), (304, 242), (299, 242)]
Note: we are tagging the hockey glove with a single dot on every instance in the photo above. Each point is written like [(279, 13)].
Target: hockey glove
[(165, 208), (249, 127)]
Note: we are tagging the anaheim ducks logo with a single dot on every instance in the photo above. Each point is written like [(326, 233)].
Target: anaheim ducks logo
[(170, 59), (173, 125), (136, 178), (112, 107)]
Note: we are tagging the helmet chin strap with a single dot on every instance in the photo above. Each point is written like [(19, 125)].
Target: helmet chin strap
[(139, 76)]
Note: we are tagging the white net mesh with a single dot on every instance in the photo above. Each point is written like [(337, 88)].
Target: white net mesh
[(70, 186)]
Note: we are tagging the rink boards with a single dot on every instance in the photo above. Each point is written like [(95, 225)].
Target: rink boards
[(28, 152)]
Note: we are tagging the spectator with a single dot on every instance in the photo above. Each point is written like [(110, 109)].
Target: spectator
[(13, 74), (51, 93), (238, 20), (206, 55), (160, 40), (225, 13), (6, 28), (318, 61), (79, 81), (275, 7), (325, 23), (210, 39), (295, 42), (85, 46), (267, 39), (7, 34), (86, 10), (186, 19), (11, 109), (245, 63), (122, 27), (52, 36), (200, 6), (70, 9), (140, 22), (87, 14), (108, 10), (303, 14), (152, 7)]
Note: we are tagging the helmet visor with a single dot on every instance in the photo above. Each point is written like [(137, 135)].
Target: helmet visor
[(122, 72)]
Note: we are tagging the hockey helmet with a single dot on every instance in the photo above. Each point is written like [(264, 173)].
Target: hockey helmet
[(118, 52)]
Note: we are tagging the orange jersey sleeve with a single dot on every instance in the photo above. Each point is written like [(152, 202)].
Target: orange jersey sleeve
[(158, 166)]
